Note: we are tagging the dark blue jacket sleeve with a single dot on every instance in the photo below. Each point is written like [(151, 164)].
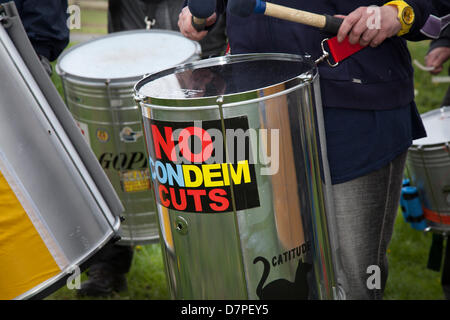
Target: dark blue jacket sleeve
[(423, 9), (443, 41), (45, 22), (442, 7)]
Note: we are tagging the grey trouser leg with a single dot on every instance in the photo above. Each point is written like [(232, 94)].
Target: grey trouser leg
[(366, 209)]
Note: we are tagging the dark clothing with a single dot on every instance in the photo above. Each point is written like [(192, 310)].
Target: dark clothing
[(442, 7), (130, 15), (45, 22), (369, 111), (116, 258), (358, 81), (445, 278), (363, 141), (127, 15)]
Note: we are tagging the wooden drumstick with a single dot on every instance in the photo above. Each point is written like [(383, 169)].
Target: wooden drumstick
[(245, 8)]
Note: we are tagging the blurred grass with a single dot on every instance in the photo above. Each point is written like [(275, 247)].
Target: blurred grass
[(92, 21), (409, 279)]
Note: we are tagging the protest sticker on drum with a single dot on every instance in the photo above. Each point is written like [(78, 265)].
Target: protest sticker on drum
[(188, 167), (135, 180)]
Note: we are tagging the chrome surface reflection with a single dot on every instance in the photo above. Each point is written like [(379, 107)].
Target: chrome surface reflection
[(279, 248)]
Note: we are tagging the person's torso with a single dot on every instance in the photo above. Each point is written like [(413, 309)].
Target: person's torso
[(375, 68)]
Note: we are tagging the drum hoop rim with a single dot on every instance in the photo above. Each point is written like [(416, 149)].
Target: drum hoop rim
[(434, 111), (67, 75), (211, 106), (209, 102), (430, 147)]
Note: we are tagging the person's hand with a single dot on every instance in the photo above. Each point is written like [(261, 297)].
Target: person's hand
[(186, 28), (436, 58), (360, 26)]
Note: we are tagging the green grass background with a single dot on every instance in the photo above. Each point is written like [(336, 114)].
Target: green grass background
[(408, 252)]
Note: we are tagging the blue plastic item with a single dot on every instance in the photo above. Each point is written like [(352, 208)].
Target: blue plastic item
[(412, 208)]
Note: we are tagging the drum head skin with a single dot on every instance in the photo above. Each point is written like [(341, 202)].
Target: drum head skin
[(127, 54), (437, 125)]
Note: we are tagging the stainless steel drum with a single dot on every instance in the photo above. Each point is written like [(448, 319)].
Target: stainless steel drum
[(235, 148), (98, 79), (53, 213), (429, 168)]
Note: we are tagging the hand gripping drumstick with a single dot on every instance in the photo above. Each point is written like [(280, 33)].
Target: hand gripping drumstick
[(201, 10), (339, 50), (245, 8)]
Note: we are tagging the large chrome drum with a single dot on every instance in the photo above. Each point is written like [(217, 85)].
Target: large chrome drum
[(54, 215), (235, 152), (98, 79), (429, 168)]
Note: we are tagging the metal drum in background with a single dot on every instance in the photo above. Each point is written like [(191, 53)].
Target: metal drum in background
[(98, 78), (429, 168), (248, 220), (53, 214)]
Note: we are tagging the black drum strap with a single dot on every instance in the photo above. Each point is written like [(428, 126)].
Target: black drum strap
[(445, 280), (436, 251)]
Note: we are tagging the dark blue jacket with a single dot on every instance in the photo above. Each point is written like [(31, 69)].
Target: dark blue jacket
[(374, 78), (45, 22), (442, 7)]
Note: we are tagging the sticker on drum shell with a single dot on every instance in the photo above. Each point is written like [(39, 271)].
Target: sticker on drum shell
[(128, 135), (135, 180), (102, 135), (284, 289), (187, 166), (84, 129)]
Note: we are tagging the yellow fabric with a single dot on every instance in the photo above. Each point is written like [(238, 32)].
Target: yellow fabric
[(25, 261)]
